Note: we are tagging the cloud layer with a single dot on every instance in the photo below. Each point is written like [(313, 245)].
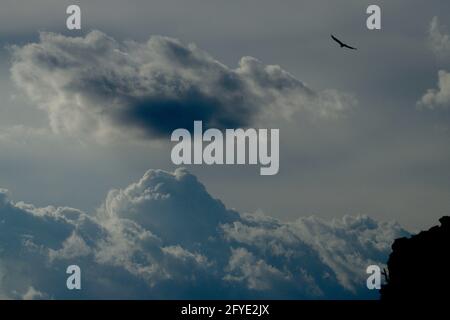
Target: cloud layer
[(97, 85), (166, 237)]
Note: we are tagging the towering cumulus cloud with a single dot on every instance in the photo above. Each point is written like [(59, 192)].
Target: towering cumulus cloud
[(166, 237), (97, 85)]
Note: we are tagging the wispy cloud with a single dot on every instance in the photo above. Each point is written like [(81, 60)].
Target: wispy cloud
[(439, 39), (440, 44)]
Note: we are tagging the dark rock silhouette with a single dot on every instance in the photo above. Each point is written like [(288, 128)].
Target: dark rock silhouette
[(419, 267)]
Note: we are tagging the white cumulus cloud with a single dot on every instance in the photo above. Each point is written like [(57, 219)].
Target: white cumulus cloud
[(440, 44), (164, 236), (440, 97)]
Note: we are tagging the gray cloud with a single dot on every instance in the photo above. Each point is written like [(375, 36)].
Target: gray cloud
[(439, 97), (97, 85), (440, 44), (439, 39), (165, 232)]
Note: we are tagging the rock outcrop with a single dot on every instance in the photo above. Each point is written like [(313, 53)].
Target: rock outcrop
[(419, 266)]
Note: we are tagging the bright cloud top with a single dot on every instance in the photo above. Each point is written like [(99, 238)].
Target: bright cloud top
[(99, 86), (440, 97), (166, 237)]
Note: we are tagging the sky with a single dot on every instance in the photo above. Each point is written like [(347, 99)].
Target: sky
[(363, 134)]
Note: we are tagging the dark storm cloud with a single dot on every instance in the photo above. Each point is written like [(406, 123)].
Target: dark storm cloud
[(95, 84)]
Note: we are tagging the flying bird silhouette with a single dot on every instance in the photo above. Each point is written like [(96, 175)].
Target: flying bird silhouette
[(343, 45)]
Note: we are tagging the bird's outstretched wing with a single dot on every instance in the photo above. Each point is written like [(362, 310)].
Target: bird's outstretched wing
[(347, 46), (337, 40), (343, 45)]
